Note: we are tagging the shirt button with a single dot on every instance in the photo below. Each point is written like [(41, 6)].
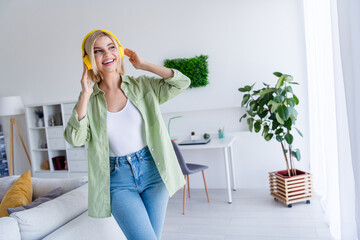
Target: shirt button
[(158, 163), (152, 149), (166, 179), (129, 158)]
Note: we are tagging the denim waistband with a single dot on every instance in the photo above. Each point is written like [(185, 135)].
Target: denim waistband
[(142, 153)]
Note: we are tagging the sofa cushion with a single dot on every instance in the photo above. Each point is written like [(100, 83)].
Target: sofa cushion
[(38, 222), (47, 197), (2, 194), (41, 186), (6, 182), (9, 229), (20, 193), (87, 228)]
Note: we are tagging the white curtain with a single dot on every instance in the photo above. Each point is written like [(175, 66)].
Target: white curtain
[(349, 26), (330, 148)]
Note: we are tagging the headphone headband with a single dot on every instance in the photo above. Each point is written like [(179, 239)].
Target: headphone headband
[(87, 59)]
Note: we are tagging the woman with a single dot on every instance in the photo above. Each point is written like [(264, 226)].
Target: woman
[(133, 169)]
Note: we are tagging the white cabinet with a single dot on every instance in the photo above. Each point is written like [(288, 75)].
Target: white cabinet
[(47, 142)]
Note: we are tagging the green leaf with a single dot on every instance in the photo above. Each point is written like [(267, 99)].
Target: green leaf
[(273, 117), (279, 119), (280, 82), (248, 88), (279, 99), (289, 89), (288, 124), (291, 102), (299, 132), (293, 112), (263, 113), (266, 129), (271, 102), (292, 120), (296, 99), (268, 136), (275, 106), (296, 154), (280, 130), (252, 105), (288, 78), (245, 99), (278, 74), (242, 90), (252, 86), (279, 139), (283, 112), (275, 124), (289, 138), (267, 90), (294, 83), (266, 85), (250, 122), (257, 126), (243, 116), (267, 97), (251, 113)]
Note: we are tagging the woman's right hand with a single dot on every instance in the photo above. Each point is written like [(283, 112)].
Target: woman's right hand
[(85, 82)]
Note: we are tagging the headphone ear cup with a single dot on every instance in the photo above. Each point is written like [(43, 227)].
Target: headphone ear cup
[(121, 50), (87, 62)]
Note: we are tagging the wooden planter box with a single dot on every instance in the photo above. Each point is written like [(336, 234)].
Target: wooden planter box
[(292, 189)]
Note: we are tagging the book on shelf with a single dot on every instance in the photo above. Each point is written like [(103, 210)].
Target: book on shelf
[(59, 163)]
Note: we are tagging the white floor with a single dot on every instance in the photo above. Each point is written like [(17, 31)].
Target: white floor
[(254, 214)]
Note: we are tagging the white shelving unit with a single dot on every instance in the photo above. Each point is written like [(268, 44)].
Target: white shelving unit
[(48, 142)]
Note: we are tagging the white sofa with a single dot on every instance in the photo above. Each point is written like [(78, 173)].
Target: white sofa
[(64, 217)]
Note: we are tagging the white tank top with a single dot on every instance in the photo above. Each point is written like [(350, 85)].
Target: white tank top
[(125, 130)]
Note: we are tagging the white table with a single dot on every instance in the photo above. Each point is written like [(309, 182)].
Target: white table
[(227, 145)]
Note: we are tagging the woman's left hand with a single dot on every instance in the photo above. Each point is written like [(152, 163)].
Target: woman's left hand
[(134, 58)]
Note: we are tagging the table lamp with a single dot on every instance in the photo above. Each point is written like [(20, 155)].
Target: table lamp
[(169, 124), (10, 106)]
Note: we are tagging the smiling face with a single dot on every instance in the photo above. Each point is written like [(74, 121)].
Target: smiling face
[(107, 56)]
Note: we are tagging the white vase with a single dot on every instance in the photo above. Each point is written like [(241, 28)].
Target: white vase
[(40, 122)]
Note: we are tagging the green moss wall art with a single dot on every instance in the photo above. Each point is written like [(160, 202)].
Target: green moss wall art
[(195, 68)]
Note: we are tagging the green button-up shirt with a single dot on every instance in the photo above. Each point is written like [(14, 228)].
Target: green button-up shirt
[(146, 93)]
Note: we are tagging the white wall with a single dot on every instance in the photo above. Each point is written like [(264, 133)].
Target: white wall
[(246, 41)]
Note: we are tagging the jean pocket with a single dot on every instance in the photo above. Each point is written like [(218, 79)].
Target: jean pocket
[(147, 158)]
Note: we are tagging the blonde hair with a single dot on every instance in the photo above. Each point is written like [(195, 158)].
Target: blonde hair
[(94, 74)]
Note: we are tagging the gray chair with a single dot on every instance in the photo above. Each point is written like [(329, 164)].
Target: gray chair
[(189, 168)]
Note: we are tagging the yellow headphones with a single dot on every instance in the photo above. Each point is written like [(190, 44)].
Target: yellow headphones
[(86, 58)]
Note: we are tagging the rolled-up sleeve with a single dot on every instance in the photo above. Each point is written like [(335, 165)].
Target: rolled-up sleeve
[(77, 133), (167, 88)]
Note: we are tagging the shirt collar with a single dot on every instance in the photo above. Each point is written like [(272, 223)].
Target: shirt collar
[(97, 90)]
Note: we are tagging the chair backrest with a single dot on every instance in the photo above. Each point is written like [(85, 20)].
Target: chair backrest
[(180, 158)]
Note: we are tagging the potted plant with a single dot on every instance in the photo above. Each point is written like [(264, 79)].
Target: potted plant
[(40, 115), (272, 111)]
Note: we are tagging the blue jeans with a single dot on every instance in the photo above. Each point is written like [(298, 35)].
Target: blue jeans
[(138, 195)]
